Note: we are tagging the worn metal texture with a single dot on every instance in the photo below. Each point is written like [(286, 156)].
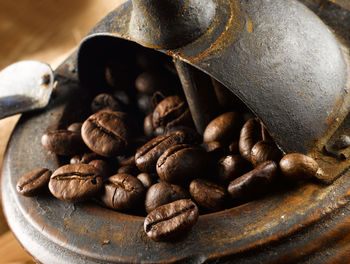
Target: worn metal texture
[(302, 224), (170, 24), (277, 56)]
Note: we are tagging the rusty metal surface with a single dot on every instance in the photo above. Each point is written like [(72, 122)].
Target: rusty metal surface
[(303, 224), (276, 56)]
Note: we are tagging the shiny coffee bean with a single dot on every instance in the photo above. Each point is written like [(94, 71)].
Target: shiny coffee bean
[(146, 157), (128, 169), (127, 161), (63, 142), (123, 192), (172, 111), (231, 167), (75, 182), (85, 158), (106, 133), (103, 167), (149, 82), (33, 182), (296, 166), (170, 221), (208, 195), (250, 135), (105, 101), (263, 151), (75, 127), (181, 163), (254, 183), (224, 128), (215, 149), (163, 193), (144, 103), (148, 126), (146, 178)]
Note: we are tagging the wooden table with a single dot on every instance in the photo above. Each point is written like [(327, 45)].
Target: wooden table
[(45, 30)]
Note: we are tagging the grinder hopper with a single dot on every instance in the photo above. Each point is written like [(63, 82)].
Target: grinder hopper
[(280, 59)]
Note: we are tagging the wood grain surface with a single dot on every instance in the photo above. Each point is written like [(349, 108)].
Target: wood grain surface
[(46, 30)]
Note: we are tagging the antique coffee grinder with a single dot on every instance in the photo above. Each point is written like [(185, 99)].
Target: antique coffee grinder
[(287, 60)]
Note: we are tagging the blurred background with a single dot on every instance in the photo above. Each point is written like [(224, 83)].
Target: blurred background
[(45, 30)]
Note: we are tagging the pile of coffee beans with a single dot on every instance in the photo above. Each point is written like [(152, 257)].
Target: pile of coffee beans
[(139, 153)]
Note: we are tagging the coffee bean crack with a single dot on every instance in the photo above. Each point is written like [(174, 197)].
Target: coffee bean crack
[(97, 124)]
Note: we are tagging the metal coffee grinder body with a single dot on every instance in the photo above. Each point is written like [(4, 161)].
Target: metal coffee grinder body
[(282, 61)]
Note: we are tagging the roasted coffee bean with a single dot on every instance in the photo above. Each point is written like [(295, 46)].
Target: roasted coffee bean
[(208, 195), (181, 163), (163, 193), (254, 183), (172, 111), (123, 192), (103, 167), (75, 127), (85, 158), (250, 135), (296, 166), (127, 161), (144, 103), (63, 142), (105, 101), (146, 178), (33, 182), (231, 167), (150, 81), (128, 169), (75, 182), (263, 151), (215, 149), (192, 136), (122, 97), (170, 221), (148, 126), (146, 157), (157, 97), (106, 133), (224, 128)]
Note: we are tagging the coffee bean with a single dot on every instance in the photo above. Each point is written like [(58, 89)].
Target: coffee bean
[(254, 183), (224, 128), (33, 182), (128, 169), (148, 126), (146, 157), (231, 167), (63, 142), (146, 178), (171, 221), (144, 103), (296, 166), (75, 127), (75, 182), (128, 161), (163, 193), (263, 151), (250, 135), (149, 82), (106, 133), (208, 195), (103, 167), (122, 192), (172, 111), (215, 149), (181, 163), (105, 101), (85, 158), (122, 97)]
